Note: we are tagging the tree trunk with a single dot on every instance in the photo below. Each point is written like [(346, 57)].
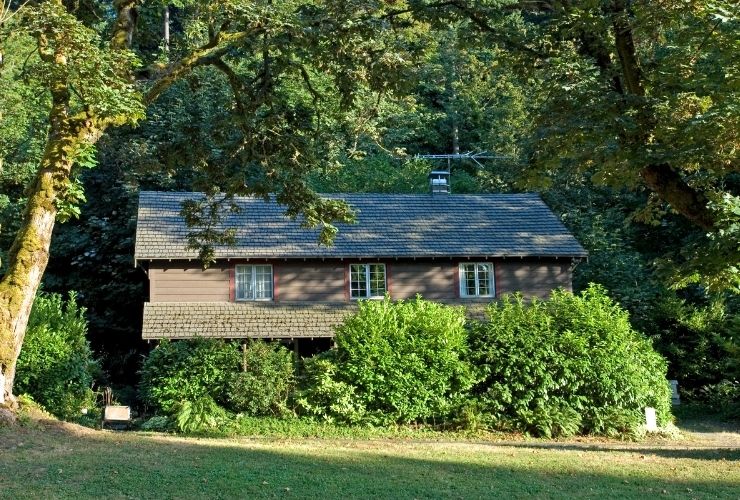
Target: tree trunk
[(29, 255), (662, 179), (669, 185)]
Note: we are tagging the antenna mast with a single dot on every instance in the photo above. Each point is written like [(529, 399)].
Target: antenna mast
[(483, 155)]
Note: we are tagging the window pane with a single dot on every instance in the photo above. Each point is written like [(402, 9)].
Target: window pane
[(357, 285), (484, 279), (476, 279), (263, 282), (253, 282), (377, 280), (468, 277), (250, 284), (243, 280)]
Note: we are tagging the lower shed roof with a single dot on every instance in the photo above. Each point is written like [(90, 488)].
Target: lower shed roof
[(186, 320), (241, 320)]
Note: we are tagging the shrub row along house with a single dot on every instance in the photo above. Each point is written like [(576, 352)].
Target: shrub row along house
[(278, 282)]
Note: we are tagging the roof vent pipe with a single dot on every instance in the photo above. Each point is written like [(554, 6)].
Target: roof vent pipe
[(439, 182)]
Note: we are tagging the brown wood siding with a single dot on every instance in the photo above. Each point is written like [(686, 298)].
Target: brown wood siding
[(532, 278), (328, 281), (188, 284), (311, 282), (433, 280)]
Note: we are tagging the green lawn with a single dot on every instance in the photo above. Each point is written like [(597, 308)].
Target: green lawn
[(62, 460)]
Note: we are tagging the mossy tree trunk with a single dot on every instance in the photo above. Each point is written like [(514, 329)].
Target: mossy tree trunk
[(29, 253), (27, 261)]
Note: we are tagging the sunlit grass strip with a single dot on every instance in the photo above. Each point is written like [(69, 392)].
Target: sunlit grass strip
[(82, 463)]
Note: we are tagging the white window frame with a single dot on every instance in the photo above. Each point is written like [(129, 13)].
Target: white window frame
[(366, 268), (464, 288), (253, 279)]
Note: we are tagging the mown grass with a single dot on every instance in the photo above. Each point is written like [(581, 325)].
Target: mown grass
[(56, 460), (298, 427)]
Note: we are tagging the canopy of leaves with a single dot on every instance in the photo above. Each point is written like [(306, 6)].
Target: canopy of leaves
[(300, 97)]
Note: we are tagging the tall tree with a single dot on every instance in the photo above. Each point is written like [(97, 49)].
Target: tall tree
[(87, 61), (638, 94)]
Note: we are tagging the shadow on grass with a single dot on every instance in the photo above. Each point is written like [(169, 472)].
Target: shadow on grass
[(673, 452), (63, 463), (694, 418)]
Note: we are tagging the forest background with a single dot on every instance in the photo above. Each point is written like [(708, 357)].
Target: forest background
[(624, 116)]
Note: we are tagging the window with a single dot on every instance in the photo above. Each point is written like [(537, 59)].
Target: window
[(476, 279), (253, 282), (366, 281)]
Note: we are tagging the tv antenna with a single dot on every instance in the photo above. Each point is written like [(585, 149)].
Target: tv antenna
[(482, 155), (439, 180)]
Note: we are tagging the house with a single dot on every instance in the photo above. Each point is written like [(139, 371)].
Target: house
[(277, 282)]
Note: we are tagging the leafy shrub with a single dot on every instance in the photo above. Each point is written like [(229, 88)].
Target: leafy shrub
[(324, 396), (395, 362), (571, 363), (701, 342), (556, 419), (157, 423), (265, 382), (199, 415), (56, 366), (723, 398), (188, 370)]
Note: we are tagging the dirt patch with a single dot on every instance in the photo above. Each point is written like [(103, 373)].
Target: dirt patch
[(7, 417)]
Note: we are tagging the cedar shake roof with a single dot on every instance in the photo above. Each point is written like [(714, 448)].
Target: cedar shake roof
[(186, 320), (388, 225), (183, 320)]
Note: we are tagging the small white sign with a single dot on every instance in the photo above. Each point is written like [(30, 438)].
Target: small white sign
[(117, 413), (651, 422)]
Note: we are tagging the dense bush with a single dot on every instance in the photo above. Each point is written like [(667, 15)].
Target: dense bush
[(265, 382), (255, 378), (722, 398), (199, 414), (56, 366), (569, 364), (188, 370), (157, 423), (325, 396), (395, 362), (701, 342)]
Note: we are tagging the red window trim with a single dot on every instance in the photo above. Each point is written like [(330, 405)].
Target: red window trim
[(457, 278), (495, 279), (346, 283), (232, 279), (244, 262), (388, 278), (458, 295)]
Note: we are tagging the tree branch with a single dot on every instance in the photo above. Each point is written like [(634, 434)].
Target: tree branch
[(660, 178), (236, 87), (626, 50), (482, 23), (207, 54), (673, 189)]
